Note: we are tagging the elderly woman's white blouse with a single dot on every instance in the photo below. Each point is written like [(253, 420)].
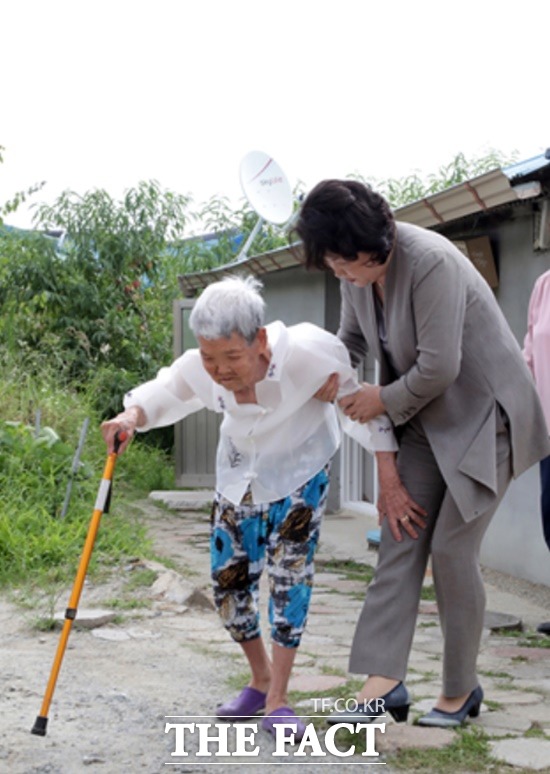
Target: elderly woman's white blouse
[(278, 444)]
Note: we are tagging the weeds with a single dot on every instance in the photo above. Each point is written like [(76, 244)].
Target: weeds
[(350, 569), (141, 579), (470, 751), (39, 550)]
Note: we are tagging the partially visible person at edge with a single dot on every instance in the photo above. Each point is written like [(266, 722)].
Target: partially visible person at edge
[(467, 417), (272, 471), (536, 351)]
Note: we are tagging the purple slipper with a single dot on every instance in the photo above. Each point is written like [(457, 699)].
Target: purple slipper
[(283, 715), (245, 705)]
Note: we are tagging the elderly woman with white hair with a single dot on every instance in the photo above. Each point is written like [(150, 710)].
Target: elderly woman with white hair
[(272, 471)]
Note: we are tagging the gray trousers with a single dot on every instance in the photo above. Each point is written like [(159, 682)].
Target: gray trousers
[(386, 626)]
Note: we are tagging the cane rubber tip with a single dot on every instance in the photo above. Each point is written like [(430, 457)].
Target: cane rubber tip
[(39, 727)]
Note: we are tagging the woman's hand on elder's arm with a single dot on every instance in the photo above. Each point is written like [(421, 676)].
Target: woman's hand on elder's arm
[(394, 502), (126, 422), (363, 405)]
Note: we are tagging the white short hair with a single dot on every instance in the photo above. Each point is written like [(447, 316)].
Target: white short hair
[(234, 305)]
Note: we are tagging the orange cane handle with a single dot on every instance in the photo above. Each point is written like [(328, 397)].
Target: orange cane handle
[(120, 437)]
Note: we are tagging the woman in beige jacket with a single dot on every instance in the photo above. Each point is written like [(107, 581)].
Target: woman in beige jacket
[(467, 417)]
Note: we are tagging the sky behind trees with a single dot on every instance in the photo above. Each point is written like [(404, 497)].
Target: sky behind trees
[(105, 94)]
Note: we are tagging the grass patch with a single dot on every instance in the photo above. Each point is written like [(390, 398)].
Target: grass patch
[(495, 675), (236, 680), (36, 542), (128, 604), (171, 564), (427, 593), (428, 675), (326, 669), (533, 641), (470, 751), (536, 732), (492, 705), (345, 691), (45, 624), (347, 567), (142, 578), (508, 633)]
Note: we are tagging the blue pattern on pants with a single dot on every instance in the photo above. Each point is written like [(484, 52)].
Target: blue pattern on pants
[(285, 533)]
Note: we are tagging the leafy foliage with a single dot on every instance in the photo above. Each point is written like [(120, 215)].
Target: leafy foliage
[(91, 290), (99, 298), (405, 190), (229, 229)]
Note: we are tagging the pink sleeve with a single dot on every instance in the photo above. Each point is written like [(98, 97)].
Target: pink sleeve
[(532, 316)]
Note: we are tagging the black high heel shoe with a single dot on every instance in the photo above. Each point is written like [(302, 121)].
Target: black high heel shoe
[(443, 719), (396, 702)]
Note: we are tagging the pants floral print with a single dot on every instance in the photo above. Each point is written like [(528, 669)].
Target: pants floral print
[(286, 533)]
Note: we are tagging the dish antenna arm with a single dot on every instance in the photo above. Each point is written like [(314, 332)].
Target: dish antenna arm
[(243, 254)]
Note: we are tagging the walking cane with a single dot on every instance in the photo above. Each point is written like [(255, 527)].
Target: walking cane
[(101, 506)]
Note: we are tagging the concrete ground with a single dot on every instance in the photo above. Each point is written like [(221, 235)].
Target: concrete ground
[(515, 676), (160, 656)]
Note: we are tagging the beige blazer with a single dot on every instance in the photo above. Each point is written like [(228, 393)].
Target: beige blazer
[(456, 361)]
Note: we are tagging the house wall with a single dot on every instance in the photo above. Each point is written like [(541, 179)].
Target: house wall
[(514, 542), (295, 295), (196, 437)]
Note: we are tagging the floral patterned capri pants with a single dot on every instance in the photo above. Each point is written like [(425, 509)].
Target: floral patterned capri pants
[(285, 532)]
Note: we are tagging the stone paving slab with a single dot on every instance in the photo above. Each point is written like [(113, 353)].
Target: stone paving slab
[(504, 723), (519, 652), (516, 679), (401, 736), (511, 697), (89, 618), (524, 753), (315, 682)]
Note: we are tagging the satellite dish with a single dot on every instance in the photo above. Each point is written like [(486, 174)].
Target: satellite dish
[(265, 186), (268, 192)]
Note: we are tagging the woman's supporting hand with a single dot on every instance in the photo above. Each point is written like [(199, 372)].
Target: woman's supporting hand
[(363, 405)]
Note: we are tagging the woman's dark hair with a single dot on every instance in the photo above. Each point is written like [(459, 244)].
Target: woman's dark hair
[(344, 218)]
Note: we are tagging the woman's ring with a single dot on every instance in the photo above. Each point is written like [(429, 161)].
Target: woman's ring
[(404, 519)]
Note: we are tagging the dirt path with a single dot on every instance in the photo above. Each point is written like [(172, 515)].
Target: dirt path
[(112, 694), (167, 654), (118, 683)]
